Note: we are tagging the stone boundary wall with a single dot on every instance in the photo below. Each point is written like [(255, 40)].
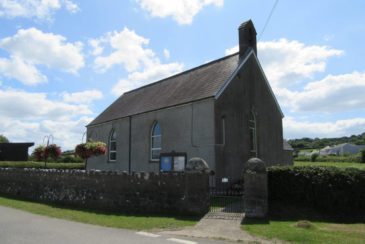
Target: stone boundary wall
[(144, 193)]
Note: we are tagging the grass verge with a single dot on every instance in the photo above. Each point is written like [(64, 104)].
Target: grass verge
[(40, 165), (98, 218), (331, 164), (300, 225)]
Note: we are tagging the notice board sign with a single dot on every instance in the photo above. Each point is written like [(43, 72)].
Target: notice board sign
[(166, 163), (173, 161)]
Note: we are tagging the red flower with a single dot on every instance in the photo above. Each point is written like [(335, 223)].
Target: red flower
[(52, 151), (89, 149), (38, 153)]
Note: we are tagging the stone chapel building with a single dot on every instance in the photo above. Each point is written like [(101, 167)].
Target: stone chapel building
[(223, 111)]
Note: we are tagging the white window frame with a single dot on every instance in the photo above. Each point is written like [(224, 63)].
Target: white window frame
[(152, 136), (112, 140)]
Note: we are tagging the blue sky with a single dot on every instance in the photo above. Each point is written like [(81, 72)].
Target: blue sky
[(62, 62)]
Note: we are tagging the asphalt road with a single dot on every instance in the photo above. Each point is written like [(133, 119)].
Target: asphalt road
[(17, 226)]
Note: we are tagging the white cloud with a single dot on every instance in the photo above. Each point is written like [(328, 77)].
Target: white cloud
[(97, 49), (231, 50), (300, 129), (71, 133), (17, 68), (39, 9), (71, 6), (84, 97), (67, 137), (39, 48), (21, 104), (129, 51), (182, 11), (30, 48), (287, 62), (166, 53), (332, 94), (29, 116), (290, 61)]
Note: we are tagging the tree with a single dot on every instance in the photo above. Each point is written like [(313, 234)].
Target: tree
[(314, 157), (3, 139), (362, 153)]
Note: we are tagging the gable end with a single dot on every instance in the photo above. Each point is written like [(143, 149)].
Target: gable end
[(235, 72)]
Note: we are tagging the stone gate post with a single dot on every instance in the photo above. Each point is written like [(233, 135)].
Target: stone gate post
[(255, 186)]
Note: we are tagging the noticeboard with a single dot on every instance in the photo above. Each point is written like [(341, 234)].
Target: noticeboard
[(166, 163), (172, 161)]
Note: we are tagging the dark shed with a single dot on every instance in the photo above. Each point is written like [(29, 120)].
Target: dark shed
[(15, 151)]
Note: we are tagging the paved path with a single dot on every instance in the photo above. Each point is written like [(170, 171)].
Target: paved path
[(219, 227), (19, 227)]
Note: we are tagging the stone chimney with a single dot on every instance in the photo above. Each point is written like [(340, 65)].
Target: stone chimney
[(247, 37)]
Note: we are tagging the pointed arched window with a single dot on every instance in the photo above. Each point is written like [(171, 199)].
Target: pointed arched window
[(155, 141), (113, 145), (253, 134)]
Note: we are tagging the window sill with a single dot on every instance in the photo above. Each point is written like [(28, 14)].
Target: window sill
[(154, 161)]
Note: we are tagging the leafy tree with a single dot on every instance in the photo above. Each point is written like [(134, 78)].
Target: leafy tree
[(362, 153), (318, 143), (3, 139), (314, 156)]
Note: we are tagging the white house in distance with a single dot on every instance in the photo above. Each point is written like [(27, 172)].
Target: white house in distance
[(341, 149)]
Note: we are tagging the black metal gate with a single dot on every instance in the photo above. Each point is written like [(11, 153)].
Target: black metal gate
[(226, 198)]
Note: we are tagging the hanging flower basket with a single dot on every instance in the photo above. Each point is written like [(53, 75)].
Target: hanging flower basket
[(41, 152), (38, 153), (53, 151), (90, 149)]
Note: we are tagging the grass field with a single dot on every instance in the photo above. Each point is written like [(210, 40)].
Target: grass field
[(305, 226), (331, 164), (315, 232), (103, 219), (50, 165)]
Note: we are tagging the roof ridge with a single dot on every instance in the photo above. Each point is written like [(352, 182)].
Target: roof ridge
[(182, 73)]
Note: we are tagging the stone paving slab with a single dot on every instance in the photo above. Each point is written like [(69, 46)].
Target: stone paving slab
[(219, 228)]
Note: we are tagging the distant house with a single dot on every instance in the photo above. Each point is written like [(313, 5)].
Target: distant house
[(223, 111), (288, 153), (341, 149)]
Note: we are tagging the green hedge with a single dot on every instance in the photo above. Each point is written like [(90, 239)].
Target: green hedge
[(356, 158), (324, 188)]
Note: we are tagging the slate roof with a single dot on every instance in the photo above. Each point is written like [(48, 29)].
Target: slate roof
[(195, 84)]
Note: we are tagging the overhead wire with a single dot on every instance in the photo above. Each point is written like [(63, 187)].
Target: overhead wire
[(268, 19)]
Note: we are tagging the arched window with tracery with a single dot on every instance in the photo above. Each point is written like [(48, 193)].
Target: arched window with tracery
[(156, 143), (113, 145), (253, 134)]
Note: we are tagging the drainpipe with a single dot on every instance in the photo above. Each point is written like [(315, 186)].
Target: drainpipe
[(192, 127), (130, 146)]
